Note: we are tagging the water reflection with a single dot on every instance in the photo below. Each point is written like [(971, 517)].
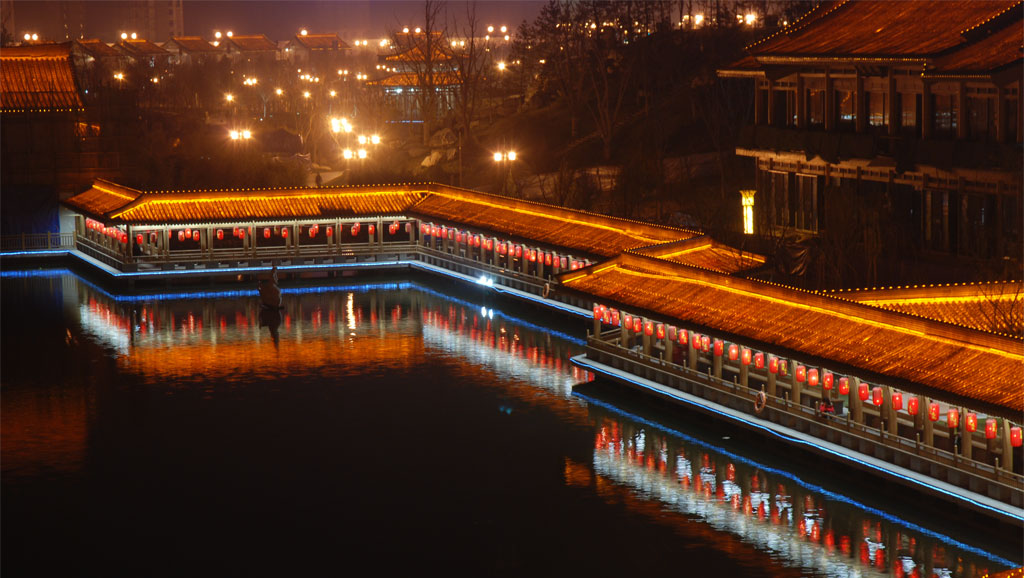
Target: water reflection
[(201, 340), (800, 525)]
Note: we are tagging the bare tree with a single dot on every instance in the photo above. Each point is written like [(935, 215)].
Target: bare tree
[(424, 55)]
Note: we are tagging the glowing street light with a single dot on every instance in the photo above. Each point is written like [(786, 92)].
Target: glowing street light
[(304, 32), (279, 92), (347, 154), (361, 153), (750, 18), (375, 139), (305, 94)]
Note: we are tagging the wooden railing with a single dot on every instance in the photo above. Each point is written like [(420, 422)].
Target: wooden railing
[(805, 420), (37, 242)]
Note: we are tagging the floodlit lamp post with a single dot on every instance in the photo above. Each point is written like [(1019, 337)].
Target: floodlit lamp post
[(748, 211), (505, 158)]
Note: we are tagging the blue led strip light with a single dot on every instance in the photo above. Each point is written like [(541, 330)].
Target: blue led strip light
[(41, 252), (960, 497), (812, 487)]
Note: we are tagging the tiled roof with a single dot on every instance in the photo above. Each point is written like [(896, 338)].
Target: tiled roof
[(38, 78), (994, 51), (253, 43), (194, 44), (995, 307), (321, 42), (141, 47), (706, 253), (97, 48), (413, 48), (413, 79), (556, 226), (881, 28), (920, 351), (586, 232)]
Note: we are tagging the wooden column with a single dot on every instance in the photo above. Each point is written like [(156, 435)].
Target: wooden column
[(890, 412), (770, 116), (965, 436), (691, 352), (716, 364), (796, 388), (1007, 459), (772, 390), (623, 332), (929, 425), (856, 409), (744, 374), (646, 339), (597, 325), (669, 347)]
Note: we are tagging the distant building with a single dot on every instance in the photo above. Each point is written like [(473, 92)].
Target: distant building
[(420, 63), (321, 51), (158, 20), (252, 54), (192, 50), (143, 52), (894, 127)]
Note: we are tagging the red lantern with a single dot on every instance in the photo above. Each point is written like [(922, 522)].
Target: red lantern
[(572, 266), (138, 239), (638, 325), (371, 229), (266, 232), (897, 401), (773, 365), (355, 230), (597, 311), (759, 360), (812, 377), (533, 255), (844, 386), (195, 234), (124, 238), (152, 237), (659, 331), (649, 328), (953, 418), (734, 352), (876, 396), (826, 381), (241, 233), (783, 364), (312, 232), (490, 245), (181, 235), (863, 391), (971, 422), (683, 337), (1015, 437), (628, 321), (745, 356), (672, 332), (991, 429), (564, 263), (933, 411), (220, 234), (719, 347), (425, 229), (408, 228), (519, 251), (705, 343), (801, 373), (329, 232), (547, 259), (912, 405), (284, 232), (188, 232), (502, 249), (615, 317)]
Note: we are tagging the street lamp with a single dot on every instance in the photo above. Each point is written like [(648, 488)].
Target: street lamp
[(505, 158)]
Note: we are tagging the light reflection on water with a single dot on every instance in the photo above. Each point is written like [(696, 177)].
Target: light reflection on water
[(343, 334)]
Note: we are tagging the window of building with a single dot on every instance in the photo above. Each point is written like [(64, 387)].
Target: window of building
[(815, 108), (777, 189), (784, 108), (877, 107), (804, 204), (909, 106), (846, 109), (945, 114), (981, 118)]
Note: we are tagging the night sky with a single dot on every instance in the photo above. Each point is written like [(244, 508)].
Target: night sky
[(278, 20)]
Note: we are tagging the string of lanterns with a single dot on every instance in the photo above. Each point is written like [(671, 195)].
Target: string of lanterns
[(813, 377), (503, 247)]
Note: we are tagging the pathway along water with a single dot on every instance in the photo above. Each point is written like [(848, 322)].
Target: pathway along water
[(390, 426)]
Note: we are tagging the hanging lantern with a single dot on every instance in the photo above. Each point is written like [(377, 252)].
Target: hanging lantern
[(991, 429), (572, 265), (649, 328), (628, 321), (773, 365), (912, 405), (615, 317), (734, 352), (659, 331), (220, 234), (606, 315), (519, 251), (953, 418), (877, 396), (812, 377), (745, 356), (1015, 437), (241, 233), (266, 232), (897, 401), (719, 347), (933, 411), (801, 373), (181, 235), (424, 229), (971, 422), (705, 343), (312, 232), (564, 263), (672, 332), (502, 249), (638, 325), (826, 381), (355, 230), (759, 360), (863, 391), (152, 237), (371, 229), (124, 238), (683, 337), (489, 245), (408, 228), (195, 234), (547, 259), (138, 238), (284, 232), (597, 311), (234, 232), (783, 367), (188, 232), (844, 386), (329, 232), (533, 255)]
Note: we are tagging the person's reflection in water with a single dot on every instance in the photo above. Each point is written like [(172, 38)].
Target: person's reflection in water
[(271, 319)]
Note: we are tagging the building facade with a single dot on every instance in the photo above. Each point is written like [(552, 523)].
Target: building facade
[(895, 126)]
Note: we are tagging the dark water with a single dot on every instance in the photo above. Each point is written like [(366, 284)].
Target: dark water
[(391, 427)]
